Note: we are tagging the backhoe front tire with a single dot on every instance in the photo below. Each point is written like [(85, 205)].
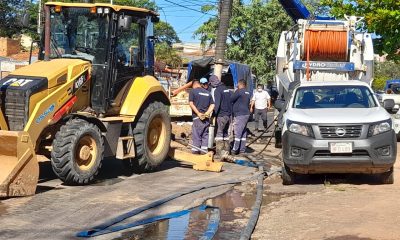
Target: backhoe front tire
[(152, 138), (77, 152)]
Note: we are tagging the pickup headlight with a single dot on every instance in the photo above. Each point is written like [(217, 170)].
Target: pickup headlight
[(300, 128), (380, 127)]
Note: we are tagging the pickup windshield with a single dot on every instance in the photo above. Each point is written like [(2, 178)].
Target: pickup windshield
[(334, 97), (78, 33)]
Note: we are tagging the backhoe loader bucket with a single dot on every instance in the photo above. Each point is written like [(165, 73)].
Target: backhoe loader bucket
[(19, 169)]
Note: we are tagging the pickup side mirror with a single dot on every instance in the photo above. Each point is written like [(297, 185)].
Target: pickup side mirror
[(388, 105), (279, 104)]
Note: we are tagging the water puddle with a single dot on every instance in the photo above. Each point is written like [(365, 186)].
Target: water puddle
[(271, 197), (234, 207)]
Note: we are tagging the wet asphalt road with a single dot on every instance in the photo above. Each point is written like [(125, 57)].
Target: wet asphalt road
[(59, 212)]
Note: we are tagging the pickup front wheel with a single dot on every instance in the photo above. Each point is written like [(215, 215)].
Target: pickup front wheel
[(387, 177), (288, 177)]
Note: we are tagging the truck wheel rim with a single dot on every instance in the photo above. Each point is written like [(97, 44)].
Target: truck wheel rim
[(86, 153), (156, 135)]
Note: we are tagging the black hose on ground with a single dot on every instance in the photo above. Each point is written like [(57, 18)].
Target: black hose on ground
[(264, 131), (269, 141), (255, 209), (99, 228)]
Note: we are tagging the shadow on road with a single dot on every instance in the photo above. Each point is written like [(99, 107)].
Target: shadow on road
[(333, 179), (111, 172)]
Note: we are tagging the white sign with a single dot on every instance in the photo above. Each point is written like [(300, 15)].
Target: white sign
[(7, 66)]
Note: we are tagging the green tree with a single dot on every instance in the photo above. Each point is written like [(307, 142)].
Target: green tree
[(165, 53), (380, 17), (134, 3), (165, 33), (385, 71), (253, 35), (10, 13)]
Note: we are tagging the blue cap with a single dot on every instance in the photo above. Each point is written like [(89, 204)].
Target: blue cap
[(203, 80)]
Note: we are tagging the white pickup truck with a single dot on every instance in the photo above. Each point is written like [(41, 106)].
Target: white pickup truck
[(384, 96), (396, 124), (336, 127), (391, 91)]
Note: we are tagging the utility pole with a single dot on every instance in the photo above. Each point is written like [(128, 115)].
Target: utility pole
[(39, 27), (225, 12), (224, 18)]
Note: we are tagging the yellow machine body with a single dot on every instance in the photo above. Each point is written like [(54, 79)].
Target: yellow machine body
[(140, 90), (39, 100), (19, 169)]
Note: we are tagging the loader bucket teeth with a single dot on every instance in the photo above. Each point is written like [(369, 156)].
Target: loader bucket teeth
[(19, 169)]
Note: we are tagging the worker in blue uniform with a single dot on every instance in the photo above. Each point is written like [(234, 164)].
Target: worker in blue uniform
[(240, 100), (222, 113), (202, 105)]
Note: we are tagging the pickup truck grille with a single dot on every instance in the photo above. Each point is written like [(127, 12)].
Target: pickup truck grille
[(348, 131), (327, 153)]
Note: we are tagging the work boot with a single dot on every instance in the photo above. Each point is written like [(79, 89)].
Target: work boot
[(225, 152), (219, 147), (227, 146)]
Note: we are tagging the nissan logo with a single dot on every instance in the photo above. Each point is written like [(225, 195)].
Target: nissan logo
[(340, 132)]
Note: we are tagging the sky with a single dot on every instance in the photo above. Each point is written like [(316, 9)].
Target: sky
[(184, 15)]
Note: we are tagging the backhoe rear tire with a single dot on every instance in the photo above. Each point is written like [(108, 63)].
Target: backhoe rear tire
[(152, 138), (77, 152)]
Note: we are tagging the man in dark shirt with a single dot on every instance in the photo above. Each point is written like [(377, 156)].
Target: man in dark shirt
[(222, 112), (202, 105), (241, 113)]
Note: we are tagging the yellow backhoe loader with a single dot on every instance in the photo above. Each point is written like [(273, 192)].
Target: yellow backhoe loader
[(91, 95)]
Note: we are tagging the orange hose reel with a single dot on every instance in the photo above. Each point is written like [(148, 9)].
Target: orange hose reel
[(323, 45)]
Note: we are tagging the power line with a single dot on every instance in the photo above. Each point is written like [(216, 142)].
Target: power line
[(191, 25), (179, 16), (165, 16), (189, 4), (189, 8), (201, 2)]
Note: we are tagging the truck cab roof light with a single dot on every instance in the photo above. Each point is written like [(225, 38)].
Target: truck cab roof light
[(57, 9)]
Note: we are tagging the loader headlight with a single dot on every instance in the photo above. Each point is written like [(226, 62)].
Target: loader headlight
[(379, 127), (299, 128), (397, 116)]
